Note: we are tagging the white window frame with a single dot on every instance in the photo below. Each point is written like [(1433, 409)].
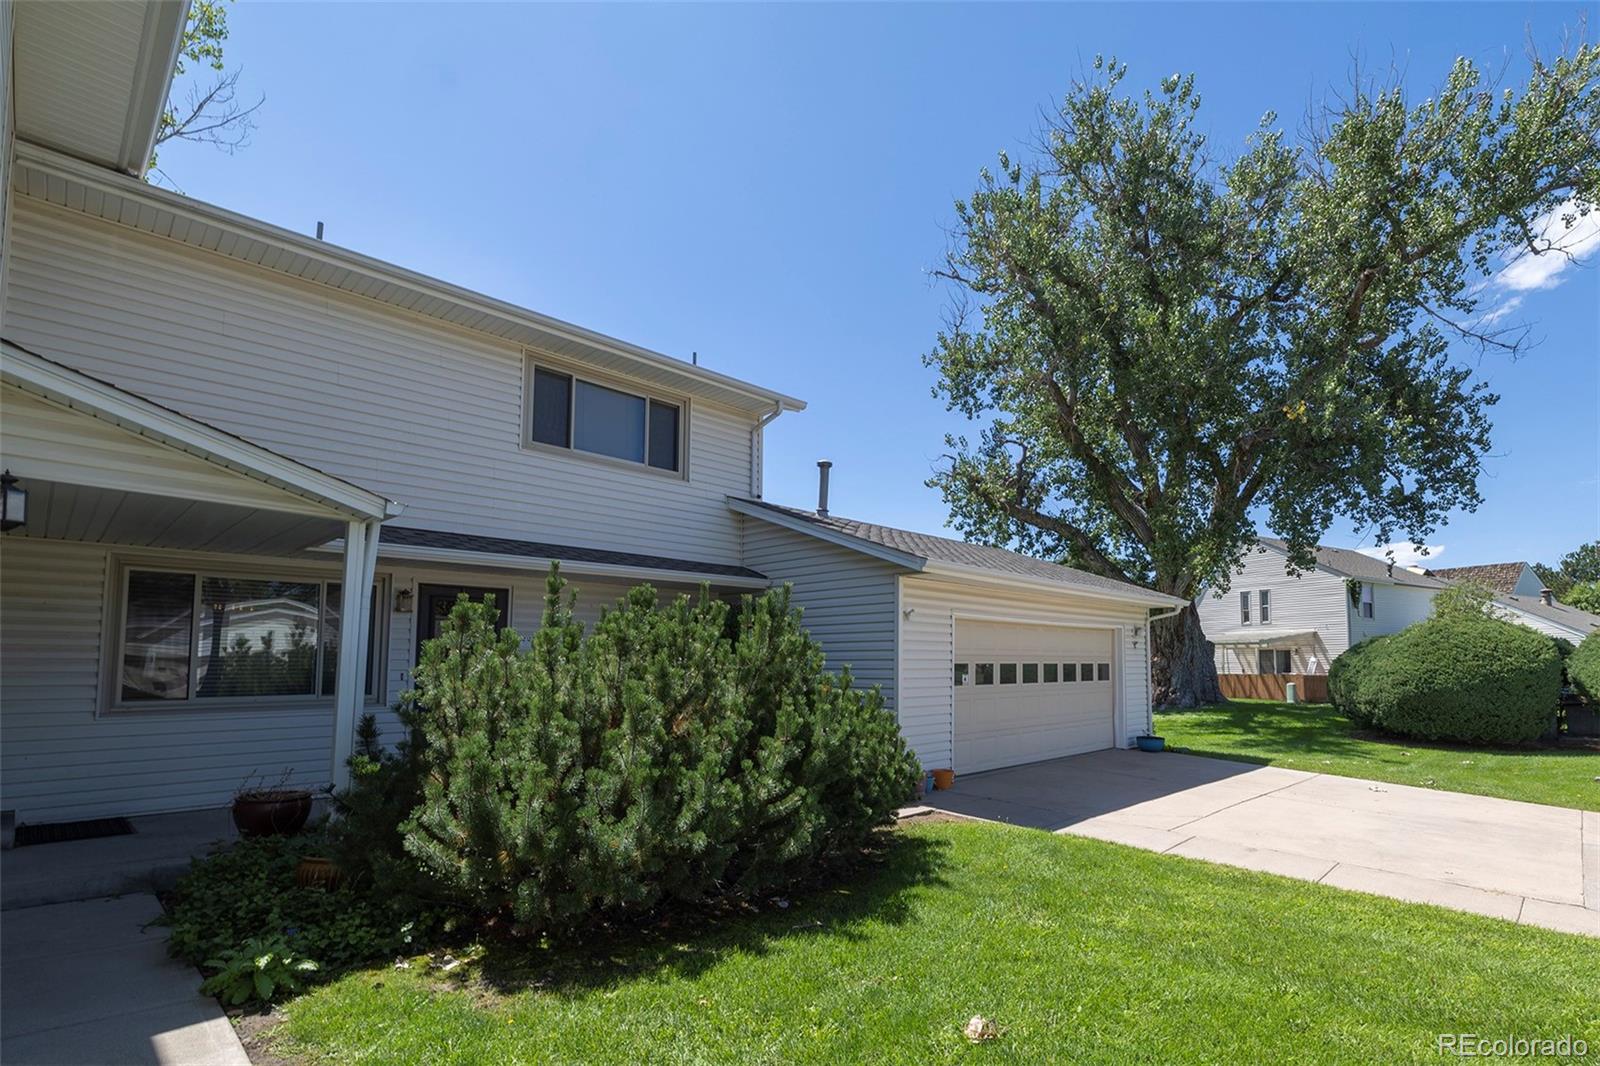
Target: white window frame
[(1287, 661), (1244, 608), (111, 701), (534, 361), (1368, 605), (1264, 606)]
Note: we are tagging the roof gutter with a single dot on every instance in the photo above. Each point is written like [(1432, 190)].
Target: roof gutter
[(162, 43), (756, 457)]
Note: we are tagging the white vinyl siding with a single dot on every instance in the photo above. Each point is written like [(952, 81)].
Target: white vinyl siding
[(1315, 600), (425, 413), (63, 756), (928, 642), (1393, 608), (849, 599)]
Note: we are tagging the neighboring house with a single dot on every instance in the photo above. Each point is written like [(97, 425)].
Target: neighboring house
[(222, 425), (1270, 628)]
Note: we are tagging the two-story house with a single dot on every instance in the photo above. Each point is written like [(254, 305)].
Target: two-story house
[(213, 428), (1270, 628)]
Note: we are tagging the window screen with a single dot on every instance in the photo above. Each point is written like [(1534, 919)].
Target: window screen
[(608, 422), (663, 435), (552, 408)]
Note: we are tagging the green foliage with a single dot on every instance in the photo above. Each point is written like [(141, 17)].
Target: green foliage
[(659, 758), (1553, 579), (1583, 668), (259, 969), (247, 892), (1584, 595), (1468, 598), (1165, 345), (1460, 677), (1583, 562)]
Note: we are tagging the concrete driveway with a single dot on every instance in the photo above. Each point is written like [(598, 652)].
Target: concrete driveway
[(1523, 862)]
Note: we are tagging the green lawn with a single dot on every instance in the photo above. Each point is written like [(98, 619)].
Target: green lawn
[(1313, 736), (1078, 949)]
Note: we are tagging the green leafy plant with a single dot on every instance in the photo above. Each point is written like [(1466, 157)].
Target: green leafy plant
[(659, 758), (259, 969), (1464, 677), (1583, 668)]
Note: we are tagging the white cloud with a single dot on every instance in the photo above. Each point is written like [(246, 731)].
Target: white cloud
[(1405, 553), (1560, 246), (1504, 308)]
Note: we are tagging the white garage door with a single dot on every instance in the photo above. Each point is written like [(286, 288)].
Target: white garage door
[(1026, 693)]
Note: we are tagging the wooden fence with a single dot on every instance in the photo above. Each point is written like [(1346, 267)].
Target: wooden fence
[(1309, 688)]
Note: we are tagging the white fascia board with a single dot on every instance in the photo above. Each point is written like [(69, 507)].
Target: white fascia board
[(134, 414), (843, 540), (1137, 596), (93, 177), (497, 561), (159, 48)]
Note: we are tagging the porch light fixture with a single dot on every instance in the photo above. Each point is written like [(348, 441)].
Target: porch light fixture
[(403, 600), (13, 503)]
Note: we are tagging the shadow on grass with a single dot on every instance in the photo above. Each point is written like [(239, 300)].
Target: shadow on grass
[(685, 940), (1308, 729)]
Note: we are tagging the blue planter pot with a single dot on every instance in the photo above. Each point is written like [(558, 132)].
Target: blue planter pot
[(1152, 743)]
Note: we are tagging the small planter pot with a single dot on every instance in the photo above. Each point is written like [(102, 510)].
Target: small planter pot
[(274, 812), (943, 779), (314, 871), (1152, 743)]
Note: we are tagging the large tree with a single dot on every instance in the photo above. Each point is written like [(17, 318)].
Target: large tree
[(1167, 348)]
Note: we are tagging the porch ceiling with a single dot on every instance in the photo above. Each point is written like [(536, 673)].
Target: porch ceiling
[(87, 514)]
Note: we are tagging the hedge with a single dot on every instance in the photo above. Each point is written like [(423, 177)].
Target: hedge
[(1583, 668), (1462, 677)]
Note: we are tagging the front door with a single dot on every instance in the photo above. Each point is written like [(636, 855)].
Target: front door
[(435, 602)]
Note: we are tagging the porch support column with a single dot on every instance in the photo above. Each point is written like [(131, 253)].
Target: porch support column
[(360, 563)]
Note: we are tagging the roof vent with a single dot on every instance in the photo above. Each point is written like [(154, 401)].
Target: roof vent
[(823, 466), (1546, 597)]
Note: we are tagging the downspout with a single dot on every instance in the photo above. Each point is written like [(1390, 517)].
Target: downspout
[(755, 448)]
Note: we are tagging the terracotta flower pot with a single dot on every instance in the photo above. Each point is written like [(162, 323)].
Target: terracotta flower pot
[(275, 812), (943, 779)]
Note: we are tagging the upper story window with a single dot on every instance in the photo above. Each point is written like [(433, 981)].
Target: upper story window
[(1366, 600), (565, 411), (1266, 606), (1244, 608)]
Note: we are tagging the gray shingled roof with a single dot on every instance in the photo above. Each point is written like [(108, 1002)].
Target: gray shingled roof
[(471, 542), (957, 552), (1348, 562), (1558, 612), (1499, 577)]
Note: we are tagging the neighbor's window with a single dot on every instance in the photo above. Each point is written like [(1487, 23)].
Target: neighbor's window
[(961, 674), (984, 673), (1051, 676), (569, 412), (1069, 671), (1266, 605), (1366, 600), (190, 637), (1276, 661), (1102, 671), (1008, 673), (1244, 608), (1030, 673)]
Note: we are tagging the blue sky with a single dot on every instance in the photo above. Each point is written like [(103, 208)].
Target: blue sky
[(769, 186)]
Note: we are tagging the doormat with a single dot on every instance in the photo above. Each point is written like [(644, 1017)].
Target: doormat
[(58, 832)]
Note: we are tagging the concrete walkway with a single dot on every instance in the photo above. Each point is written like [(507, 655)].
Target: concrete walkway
[(1524, 862), (89, 983)]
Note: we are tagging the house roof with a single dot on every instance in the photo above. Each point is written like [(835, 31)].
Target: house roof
[(73, 389), (72, 184), (91, 79), (1497, 577), (1581, 622), (407, 542), (1347, 562), (924, 552)]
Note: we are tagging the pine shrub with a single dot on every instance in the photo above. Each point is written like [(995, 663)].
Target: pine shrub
[(675, 752)]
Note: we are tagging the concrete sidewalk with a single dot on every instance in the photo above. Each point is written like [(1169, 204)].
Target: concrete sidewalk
[(1524, 862), (90, 983)]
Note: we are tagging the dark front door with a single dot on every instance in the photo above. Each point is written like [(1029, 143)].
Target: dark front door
[(435, 602)]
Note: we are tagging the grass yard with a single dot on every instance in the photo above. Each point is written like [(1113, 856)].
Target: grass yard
[(1079, 950), (1315, 737)]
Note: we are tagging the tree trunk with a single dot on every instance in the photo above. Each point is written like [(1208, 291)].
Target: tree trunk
[(1183, 667)]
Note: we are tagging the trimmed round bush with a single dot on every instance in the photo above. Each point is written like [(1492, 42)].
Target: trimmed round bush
[(1583, 668), (1466, 678)]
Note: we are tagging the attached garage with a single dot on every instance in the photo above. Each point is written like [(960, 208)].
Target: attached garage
[(1024, 693)]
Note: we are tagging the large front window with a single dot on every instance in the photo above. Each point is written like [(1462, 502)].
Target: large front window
[(189, 637), (565, 411)]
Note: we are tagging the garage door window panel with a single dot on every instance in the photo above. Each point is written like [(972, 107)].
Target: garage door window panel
[(984, 673), (1008, 673), (1052, 673), (1030, 673)]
